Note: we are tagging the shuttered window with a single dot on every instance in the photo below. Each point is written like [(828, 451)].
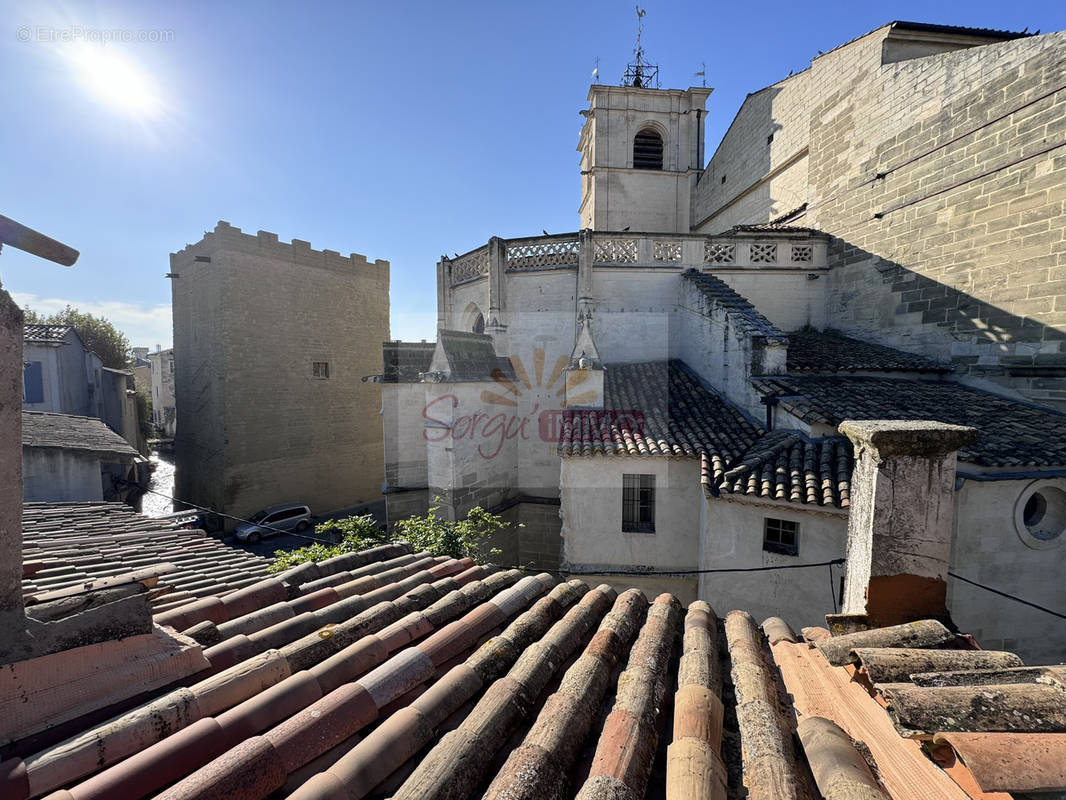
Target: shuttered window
[(648, 150), (33, 383)]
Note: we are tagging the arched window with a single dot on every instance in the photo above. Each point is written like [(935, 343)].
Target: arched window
[(648, 149), (479, 323)]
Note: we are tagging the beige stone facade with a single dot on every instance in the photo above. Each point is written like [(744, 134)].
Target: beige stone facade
[(937, 161), (271, 341), (617, 192)]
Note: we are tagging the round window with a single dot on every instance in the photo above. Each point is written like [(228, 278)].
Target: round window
[(1041, 514)]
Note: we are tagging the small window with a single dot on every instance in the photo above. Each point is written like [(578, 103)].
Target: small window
[(319, 369), (1044, 514), (479, 324), (781, 536), (638, 503), (648, 150), (32, 383), (723, 180), (171, 365)]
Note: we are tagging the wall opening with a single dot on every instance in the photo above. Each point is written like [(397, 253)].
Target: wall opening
[(648, 149)]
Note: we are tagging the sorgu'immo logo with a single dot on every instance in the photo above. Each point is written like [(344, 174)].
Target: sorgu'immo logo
[(502, 417)]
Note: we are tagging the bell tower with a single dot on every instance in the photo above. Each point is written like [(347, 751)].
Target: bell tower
[(641, 152)]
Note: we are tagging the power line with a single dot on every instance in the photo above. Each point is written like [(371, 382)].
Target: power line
[(1008, 596), (653, 572), (226, 516), (630, 572)]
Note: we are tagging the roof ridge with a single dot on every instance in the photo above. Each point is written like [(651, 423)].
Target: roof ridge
[(734, 304)]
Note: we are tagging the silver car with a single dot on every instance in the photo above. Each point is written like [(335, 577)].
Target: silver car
[(273, 521)]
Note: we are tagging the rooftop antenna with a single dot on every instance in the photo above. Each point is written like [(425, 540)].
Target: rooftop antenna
[(702, 73), (640, 73), (596, 71)]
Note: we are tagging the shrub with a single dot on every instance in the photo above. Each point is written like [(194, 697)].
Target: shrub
[(352, 533), (459, 539)]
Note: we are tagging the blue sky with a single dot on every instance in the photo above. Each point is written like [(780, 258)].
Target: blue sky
[(399, 130)]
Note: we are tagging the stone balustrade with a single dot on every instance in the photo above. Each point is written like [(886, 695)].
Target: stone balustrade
[(790, 249)]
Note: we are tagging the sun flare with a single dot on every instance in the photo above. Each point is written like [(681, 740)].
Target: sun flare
[(115, 80)]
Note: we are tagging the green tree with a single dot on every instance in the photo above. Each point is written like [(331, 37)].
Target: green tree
[(144, 412), (459, 539), (97, 334), (439, 537)]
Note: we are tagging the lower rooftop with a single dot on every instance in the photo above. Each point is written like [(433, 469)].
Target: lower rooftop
[(391, 673)]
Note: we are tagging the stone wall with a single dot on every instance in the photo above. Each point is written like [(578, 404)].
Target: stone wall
[(591, 502), (991, 546), (255, 427), (52, 474), (943, 179)]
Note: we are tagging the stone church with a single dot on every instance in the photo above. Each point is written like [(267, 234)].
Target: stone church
[(657, 396)]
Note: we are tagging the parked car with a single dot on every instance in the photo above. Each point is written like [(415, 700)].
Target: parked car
[(273, 521)]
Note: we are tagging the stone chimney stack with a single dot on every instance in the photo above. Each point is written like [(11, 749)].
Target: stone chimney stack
[(901, 522)]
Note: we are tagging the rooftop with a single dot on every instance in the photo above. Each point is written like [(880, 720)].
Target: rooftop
[(388, 673), (783, 465), (405, 361), (71, 432), (72, 544), (45, 334), (831, 351), (741, 311), (472, 356), (668, 412), (1012, 433)]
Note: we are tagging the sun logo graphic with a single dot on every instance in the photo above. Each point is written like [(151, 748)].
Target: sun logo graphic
[(513, 392)]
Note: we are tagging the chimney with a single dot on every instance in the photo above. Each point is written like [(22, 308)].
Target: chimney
[(901, 521)]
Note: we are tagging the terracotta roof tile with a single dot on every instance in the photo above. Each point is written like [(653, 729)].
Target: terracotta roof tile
[(37, 332), (464, 680), (783, 465), (742, 313), (71, 432), (831, 351), (657, 408), (1012, 433)]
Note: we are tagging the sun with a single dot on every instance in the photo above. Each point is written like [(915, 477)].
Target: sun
[(115, 79)]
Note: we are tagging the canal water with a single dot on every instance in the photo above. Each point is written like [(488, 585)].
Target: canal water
[(152, 505)]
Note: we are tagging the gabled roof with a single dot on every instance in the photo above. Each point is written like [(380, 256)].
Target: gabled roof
[(1012, 433), (742, 312), (831, 351), (657, 408), (472, 356), (783, 465), (70, 544), (45, 334), (392, 673), (71, 432), (929, 27), (405, 361)]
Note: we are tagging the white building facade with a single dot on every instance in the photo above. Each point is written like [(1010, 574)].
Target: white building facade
[(673, 399)]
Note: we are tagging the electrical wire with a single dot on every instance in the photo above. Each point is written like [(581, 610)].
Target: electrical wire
[(1008, 596), (653, 572), (630, 572), (207, 510)]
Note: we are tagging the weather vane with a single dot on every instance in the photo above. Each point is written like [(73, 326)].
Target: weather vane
[(640, 73)]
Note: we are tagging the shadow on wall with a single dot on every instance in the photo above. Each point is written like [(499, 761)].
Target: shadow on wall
[(989, 346), (737, 191)]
